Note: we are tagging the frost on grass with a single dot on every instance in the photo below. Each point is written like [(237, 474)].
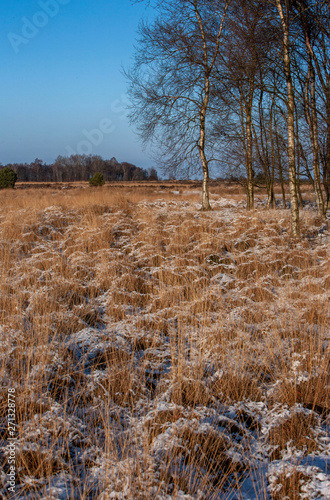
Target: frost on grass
[(158, 352)]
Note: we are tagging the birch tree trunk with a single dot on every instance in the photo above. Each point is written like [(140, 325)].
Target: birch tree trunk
[(249, 143), (295, 229), (205, 191), (311, 118), (315, 146), (205, 188), (209, 63), (271, 202), (280, 167), (324, 78)]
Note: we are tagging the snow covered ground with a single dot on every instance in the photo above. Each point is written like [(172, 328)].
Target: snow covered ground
[(158, 352)]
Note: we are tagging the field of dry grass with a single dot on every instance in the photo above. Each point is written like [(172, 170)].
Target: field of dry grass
[(159, 352)]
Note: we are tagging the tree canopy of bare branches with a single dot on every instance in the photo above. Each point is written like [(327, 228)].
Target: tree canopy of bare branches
[(241, 83)]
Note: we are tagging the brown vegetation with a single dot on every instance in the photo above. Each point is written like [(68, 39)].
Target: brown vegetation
[(147, 346)]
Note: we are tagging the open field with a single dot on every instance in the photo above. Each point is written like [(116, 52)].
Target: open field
[(160, 352)]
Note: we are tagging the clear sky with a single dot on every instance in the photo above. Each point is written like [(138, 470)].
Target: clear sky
[(62, 82)]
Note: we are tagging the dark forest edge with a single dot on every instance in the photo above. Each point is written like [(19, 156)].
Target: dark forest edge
[(77, 168)]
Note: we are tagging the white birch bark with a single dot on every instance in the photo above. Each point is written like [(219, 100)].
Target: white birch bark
[(295, 227), (208, 67), (311, 117)]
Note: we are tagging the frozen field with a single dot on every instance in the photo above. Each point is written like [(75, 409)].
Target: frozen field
[(158, 352)]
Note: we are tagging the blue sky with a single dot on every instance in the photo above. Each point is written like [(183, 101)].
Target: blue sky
[(62, 82)]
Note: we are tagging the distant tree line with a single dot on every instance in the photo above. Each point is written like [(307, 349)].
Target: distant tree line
[(79, 168)]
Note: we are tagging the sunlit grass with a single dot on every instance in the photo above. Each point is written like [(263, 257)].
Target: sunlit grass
[(148, 341)]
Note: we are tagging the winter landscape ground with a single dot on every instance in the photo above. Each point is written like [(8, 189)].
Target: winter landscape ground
[(159, 352)]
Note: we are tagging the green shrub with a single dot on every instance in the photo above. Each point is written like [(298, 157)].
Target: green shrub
[(7, 178), (97, 179)]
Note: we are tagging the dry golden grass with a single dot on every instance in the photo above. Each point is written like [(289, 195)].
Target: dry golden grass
[(126, 303), (296, 431), (289, 485), (313, 393), (236, 388)]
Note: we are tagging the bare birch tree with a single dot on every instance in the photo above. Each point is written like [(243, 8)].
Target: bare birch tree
[(305, 75), (317, 17), (283, 7), (243, 69), (171, 81)]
